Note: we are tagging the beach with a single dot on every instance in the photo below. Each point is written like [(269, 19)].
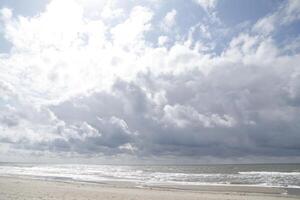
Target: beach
[(149, 99), (16, 188)]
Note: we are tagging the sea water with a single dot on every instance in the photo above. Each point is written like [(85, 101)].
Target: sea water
[(267, 175)]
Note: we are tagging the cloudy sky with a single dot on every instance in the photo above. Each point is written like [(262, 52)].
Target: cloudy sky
[(198, 81)]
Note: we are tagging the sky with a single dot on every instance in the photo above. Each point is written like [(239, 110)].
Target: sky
[(152, 81)]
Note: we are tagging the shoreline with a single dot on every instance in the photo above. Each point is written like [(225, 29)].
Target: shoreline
[(147, 184), (28, 189)]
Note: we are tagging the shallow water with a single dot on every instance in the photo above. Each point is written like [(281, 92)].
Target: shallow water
[(268, 175)]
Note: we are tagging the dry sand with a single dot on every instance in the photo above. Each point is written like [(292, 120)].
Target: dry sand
[(28, 189)]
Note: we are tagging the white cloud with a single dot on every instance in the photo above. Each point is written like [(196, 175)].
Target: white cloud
[(131, 31), (169, 20), (162, 40), (59, 54), (183, 116), (251, 50), (265, 25), (287, 13), (5, 13), (111, 11), (96, 84), (291, 11), (207, 4)]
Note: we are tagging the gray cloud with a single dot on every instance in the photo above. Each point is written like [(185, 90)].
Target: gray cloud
[(237, 110)]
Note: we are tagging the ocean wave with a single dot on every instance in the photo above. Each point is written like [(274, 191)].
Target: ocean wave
[(270, 173), (143, 175)]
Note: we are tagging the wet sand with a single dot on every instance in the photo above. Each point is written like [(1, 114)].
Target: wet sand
[(28, 189)]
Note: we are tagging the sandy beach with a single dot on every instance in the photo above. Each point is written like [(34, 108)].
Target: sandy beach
[(28, 189)]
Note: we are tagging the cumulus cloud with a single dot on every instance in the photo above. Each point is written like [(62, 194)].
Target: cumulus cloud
[(169, 20), (184, 116), (162, 40), (95, 85), (6, 13), (110, 11), (134, 27)]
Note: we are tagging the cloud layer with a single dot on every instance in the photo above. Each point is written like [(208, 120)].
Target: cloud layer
[(131, 82)]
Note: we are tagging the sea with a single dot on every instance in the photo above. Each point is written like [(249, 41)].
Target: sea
[(263, 175)]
